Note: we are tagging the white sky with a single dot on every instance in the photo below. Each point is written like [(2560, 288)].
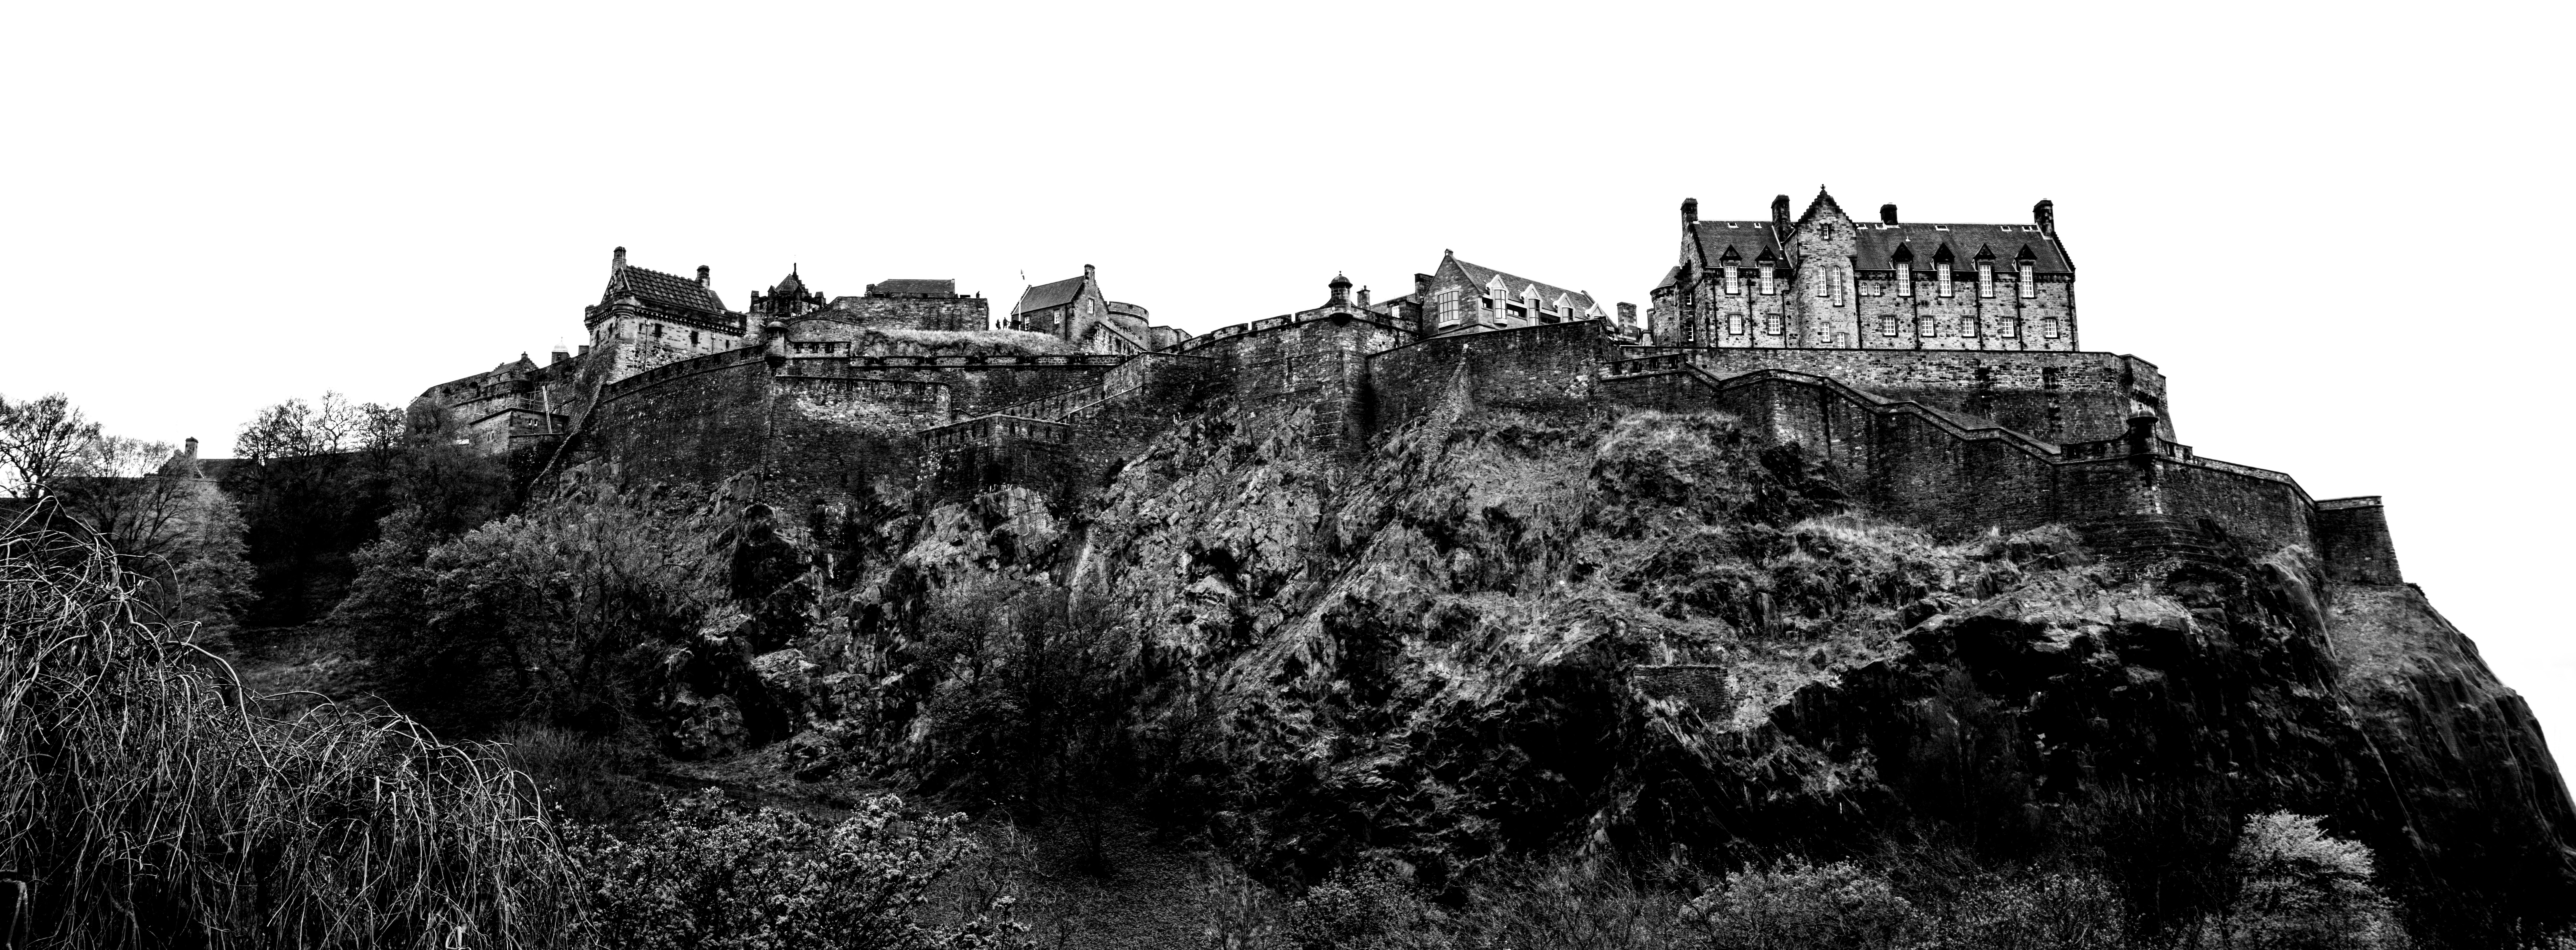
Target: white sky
[(2323, 221)]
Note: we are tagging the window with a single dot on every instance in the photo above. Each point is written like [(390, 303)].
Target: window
[(1770, 285), (1517, 313), (1771, 323), (1985, 279), (2029, 282), (1925, 327), (1941, 273), (1734, 324), (1734, 279), (2007, 327), (1824, 283), (1887, 325), (657, 331), (2048, 328), (1842, 285), (1446, 303), (1904, 279), (1968, 325), (693, 338)]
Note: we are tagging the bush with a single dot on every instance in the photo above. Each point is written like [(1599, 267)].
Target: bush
[(2299, 888), (151, 809), (704, 874), (1795, 905)]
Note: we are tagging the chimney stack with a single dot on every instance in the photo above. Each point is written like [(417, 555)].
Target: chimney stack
[(617, 262), (1628, 315), (1690, 211), (1364, 297), (2044, 214), (1087, 272), (191, 453), (702, 275), (1780, 211), (1422, 288), (1887, 214)]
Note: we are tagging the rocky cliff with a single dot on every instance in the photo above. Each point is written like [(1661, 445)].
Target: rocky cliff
[(1656, 636)]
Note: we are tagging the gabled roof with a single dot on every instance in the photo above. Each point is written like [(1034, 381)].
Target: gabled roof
[(1876, 242), (1043, 296), (1486, 276), (792, 284), (1823, 202), (655, 287), (1748, 239), (913, 288)]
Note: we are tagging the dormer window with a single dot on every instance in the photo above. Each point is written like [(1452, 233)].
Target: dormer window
[(2029, 274), (1986, 274), (1904, 260), (1941, 271), (1734, 280)]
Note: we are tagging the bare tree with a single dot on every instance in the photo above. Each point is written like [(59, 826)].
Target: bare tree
[(43, 441)]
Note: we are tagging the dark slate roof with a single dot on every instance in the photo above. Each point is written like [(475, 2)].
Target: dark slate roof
[(1748, 238), (917, 288), (670, 290), (1878, 242), (1672, 275), (1043, 296), (793, 283), (1547, 293)]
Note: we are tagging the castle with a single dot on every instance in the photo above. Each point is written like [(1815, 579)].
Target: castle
[(1935, 369)]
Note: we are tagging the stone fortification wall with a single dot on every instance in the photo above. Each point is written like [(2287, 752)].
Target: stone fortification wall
[(1956, 476), (699, 420), (1544, 369), (909, 313), (1281, 365), (977, 385), (2352, 533), (2060, 397), (808, 436)]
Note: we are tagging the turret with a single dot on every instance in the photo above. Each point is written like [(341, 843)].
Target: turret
[(1341, 286)]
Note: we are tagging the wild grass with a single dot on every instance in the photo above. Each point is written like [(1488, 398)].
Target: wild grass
[(150, 808)]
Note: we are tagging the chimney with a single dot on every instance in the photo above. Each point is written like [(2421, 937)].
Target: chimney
[(1690, 210), (2044, 214), (1628, 315), (617, 262), (1422, 288), (190, 453), (1887, 214), (1341, 291), (1780, 211), (1087, 272), (1364, 297), (702, 275)]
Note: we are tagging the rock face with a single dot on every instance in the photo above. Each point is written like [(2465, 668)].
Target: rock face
[(1657, 636)]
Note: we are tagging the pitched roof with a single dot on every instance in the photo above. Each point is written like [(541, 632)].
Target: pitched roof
[(670, 290), (1749, 239), (913, 287), (1877, 243), (1043, 296), (1484, 276)]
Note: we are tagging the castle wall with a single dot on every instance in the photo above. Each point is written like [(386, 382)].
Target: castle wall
[(2352, 533), (1280, 365), (1912, 466), (699, 421), (832, 436), (2060, 397), (907, 313), (1544, 369), (976, 384)]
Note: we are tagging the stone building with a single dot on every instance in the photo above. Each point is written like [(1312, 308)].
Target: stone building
[(1075, 311), (647, 318), (1459, 297), (1825, 280)]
